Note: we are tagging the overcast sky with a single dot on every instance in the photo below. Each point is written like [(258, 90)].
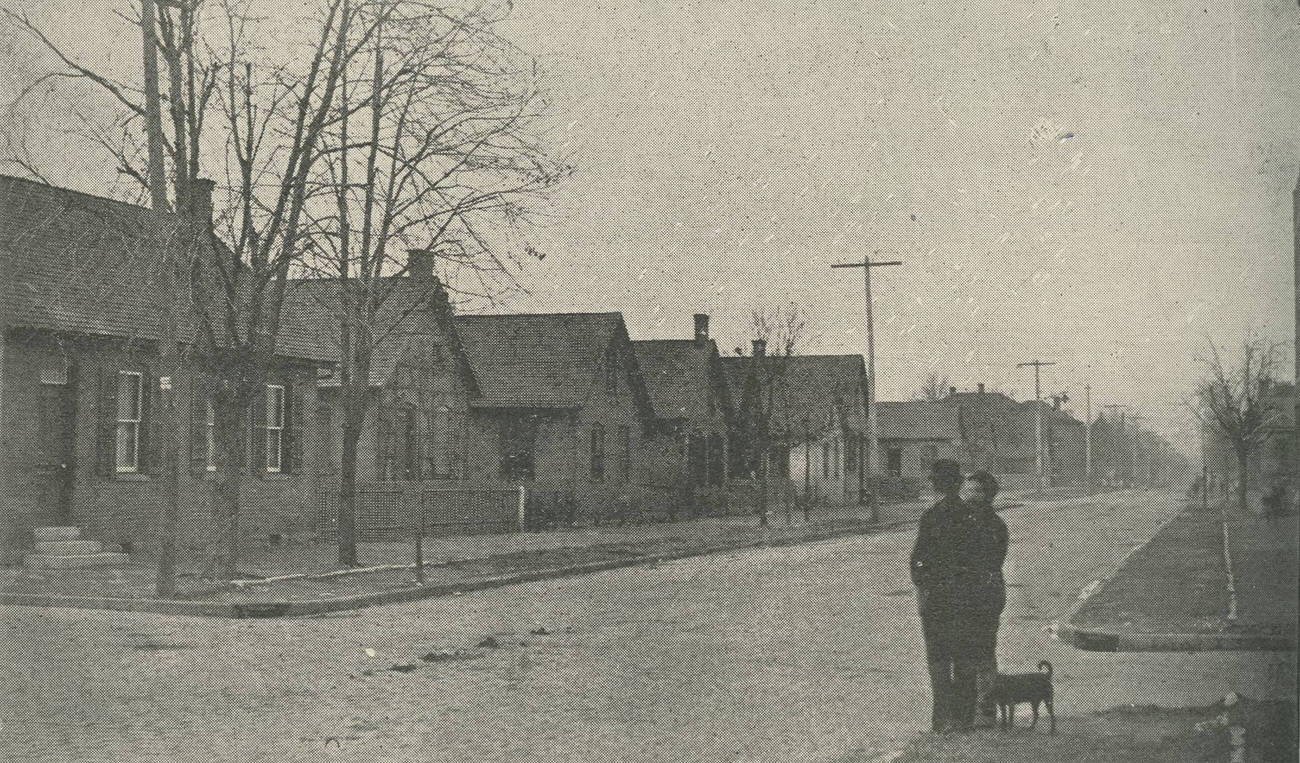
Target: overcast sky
[(1100, 184)]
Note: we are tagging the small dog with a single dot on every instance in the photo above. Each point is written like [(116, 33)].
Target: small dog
[(1007, 691)]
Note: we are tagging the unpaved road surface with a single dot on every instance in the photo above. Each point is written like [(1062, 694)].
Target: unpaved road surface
[(803, 653)]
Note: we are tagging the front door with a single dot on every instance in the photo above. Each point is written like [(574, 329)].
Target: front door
[(57, 409)]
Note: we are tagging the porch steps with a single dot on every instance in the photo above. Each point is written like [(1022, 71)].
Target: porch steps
[(63, 548)]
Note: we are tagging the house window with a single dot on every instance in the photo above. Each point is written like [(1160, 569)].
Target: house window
[(274, 428), (850, 454), (597, 452), (826, 459), (210, 435), (835, 458), (130, 414), (624, 454)]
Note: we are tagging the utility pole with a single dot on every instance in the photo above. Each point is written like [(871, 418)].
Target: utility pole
[(1038, 419), (1121, 408), (1087, 435), (872, 441)]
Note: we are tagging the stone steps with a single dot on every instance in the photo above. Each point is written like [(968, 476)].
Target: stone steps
[(63, 548)]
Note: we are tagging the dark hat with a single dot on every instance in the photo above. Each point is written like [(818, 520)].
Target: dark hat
[(946, 471)]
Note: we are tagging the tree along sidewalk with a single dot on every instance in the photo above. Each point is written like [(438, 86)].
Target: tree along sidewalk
[(453, 560), (1173, 593)]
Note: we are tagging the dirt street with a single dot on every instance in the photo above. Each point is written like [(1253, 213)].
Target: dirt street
[(802, 653)]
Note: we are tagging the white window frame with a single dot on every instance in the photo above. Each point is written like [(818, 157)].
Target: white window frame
[(274, 448), (133, 424)]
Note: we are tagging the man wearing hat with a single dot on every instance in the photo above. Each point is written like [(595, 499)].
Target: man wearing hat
[(957, 569)]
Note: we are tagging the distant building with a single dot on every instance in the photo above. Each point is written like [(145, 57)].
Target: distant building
[(811, 412), (562, 406), (914, 434)]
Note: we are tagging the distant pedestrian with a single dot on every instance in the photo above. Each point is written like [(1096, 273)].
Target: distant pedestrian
[(957, 568)]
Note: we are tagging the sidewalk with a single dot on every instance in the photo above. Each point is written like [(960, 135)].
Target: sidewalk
[(1173, 593), (1241, 729), (452, 565)]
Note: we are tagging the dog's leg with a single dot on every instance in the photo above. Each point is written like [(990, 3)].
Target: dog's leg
[(1051, 713), (1034, 722)]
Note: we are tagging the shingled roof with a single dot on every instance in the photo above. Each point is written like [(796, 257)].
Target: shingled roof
[(547, 360), (917, 420), (80, 263), (311, 312), (678, 374), (814, 389)]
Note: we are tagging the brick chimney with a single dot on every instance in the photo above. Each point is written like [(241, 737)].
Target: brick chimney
[(980, 387), (760, 348), (701, 328), (419, 264)]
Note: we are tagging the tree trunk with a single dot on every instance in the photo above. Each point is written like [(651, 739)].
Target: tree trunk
[(347, 514), (232, 426), (1243, 487)]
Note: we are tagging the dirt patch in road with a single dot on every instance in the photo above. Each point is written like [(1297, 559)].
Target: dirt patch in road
[(1266, 731)]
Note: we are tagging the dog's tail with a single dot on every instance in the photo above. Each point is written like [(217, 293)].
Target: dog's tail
[(1045, 664)]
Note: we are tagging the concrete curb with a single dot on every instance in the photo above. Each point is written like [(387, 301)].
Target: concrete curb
[(1102, 639), (239, 610)]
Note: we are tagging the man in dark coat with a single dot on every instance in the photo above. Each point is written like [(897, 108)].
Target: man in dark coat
[(957, 569)]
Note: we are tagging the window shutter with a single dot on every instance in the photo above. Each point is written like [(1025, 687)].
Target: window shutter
[(106, 412), (294, 433), (198, 424), (257, 432)]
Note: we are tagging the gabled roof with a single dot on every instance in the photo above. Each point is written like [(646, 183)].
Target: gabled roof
[(680, 376), (547, 360), (80, 263), (311, 312), (813, 391), (917, 420)]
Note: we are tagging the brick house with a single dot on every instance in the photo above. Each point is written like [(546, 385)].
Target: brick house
[(686, 450), (79, 405), (913, 434), (420, 378), (562, 408), (814, 407)]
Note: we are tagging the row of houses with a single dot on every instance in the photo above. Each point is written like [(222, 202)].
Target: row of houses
[(566, 404)]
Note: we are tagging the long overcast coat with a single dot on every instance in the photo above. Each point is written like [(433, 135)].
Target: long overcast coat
[(957, 568)]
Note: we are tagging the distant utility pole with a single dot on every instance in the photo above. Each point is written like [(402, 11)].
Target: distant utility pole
[(1038, 419), (1087, 435), (1121, 408), (872, 441)]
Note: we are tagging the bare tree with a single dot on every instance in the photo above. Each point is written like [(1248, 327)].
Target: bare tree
[(936, 387), (433, 151), (779, 333), (1233, 400), (261, 124)]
